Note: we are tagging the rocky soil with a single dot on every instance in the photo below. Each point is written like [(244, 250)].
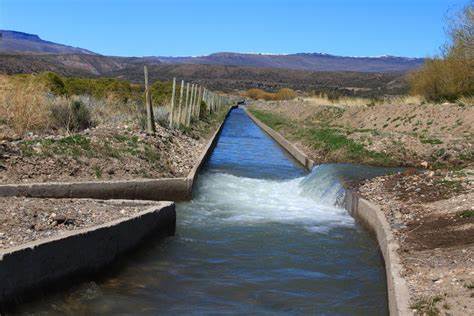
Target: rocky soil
[(106, 152), (432, 217), (27, 219)]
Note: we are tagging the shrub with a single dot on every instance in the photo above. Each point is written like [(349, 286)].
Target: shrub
[(203, 111), (451, 76), (74, 116), (282, 94), (53, 83), (285, 94)]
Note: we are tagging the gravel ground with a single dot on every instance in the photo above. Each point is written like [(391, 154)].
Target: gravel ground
[(27, 219), (432, 217)]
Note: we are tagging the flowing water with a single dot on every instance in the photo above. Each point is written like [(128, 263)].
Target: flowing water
[(261, 236)]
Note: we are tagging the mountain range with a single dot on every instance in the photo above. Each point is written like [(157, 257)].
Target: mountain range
[(13, 42), (316, 72)]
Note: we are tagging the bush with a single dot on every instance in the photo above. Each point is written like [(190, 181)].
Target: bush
[(74, 116), (203, 110), (53, 83), (282, 94), (451, 76), (285, 94)]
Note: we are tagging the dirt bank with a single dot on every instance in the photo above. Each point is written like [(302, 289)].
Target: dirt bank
[(432, 217), (107, 152), (390, 134)]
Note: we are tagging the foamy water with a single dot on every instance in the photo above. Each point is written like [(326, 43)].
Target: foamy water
[(225, 199)]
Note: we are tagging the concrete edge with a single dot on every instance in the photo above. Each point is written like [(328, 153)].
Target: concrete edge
[(170, 189), (175, 189), (373, 218), (301, 157), (40, 263), (193, 174)]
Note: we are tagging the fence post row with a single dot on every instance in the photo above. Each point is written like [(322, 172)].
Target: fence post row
[(187, 108)]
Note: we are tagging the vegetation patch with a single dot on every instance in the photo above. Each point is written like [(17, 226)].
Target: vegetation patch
[(332, 143), (427, 306)]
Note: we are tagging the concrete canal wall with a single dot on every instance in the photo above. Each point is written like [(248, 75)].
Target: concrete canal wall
[(40, 263)]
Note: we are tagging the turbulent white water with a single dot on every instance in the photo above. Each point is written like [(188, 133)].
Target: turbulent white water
[(309, 201)]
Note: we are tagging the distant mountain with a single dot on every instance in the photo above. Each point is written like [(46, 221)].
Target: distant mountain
[(19, 42), (218, 77), (302, 61)]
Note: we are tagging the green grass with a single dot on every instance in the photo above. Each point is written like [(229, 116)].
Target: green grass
[(428, 140), (97, 172), (332, 142), (118, 146), (467, 214), (427, 306)]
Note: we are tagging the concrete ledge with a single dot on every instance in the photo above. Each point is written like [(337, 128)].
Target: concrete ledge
[(43, 262), (373, 218), (169, 189), (289, 147), (193, 174), (175, 189)]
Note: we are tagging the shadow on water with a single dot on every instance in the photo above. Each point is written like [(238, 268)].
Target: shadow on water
[(261, 236)]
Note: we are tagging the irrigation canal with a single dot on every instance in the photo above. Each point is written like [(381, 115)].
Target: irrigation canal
[(261, 236)]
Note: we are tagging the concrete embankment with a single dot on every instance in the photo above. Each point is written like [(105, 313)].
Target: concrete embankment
[(169, 189), (38, 264), (372, 218)]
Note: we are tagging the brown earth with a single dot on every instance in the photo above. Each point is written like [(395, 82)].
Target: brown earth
[(432, 217), (107, 152), (27, 219)]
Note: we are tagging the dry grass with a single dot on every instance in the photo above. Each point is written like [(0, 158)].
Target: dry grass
[(282, 94), (24, 106)]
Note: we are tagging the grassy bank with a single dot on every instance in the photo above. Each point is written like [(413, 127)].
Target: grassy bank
[(400, 134), (331, 144)]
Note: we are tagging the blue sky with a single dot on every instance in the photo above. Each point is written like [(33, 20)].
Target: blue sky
[(198, 27)]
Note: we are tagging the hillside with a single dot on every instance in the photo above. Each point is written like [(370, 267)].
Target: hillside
[(302, 61), (218, 77), (19, 42)]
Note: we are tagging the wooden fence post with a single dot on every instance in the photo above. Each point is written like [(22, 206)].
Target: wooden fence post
[(186, 122), (150, 120), (199, 102), (172, 102), (180, 104)]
